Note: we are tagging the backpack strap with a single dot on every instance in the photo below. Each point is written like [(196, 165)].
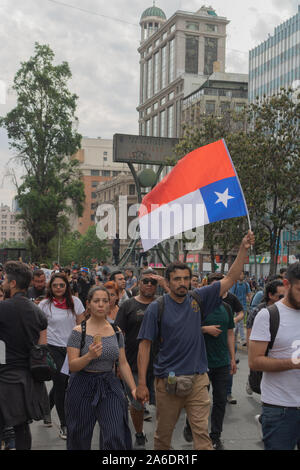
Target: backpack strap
[(199, 301), (274, 324), (83, 334), (228, 309), (117, 332), (156, 344)]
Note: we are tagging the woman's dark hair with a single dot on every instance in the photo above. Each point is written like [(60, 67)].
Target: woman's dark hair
[(67, 294), (271, 288), (214, 277), (19, 272), (95, 289), (177, 265)]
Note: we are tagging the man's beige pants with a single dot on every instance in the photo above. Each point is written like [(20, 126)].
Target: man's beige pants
[(168, 409)]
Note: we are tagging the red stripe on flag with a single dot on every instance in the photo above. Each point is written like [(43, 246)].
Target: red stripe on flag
[(202, 167)]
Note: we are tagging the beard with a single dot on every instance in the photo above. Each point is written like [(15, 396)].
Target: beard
[(183, 292), (292, 300)]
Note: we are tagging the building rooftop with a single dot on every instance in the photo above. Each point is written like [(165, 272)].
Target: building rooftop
[(153, 11)]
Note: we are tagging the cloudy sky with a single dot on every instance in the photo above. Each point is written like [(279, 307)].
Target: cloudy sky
[(99, 40)]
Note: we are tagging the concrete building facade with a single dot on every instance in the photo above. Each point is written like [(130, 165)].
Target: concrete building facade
[(176, 55), (221, 93), (111, 192), (10, 228), (96, 166)]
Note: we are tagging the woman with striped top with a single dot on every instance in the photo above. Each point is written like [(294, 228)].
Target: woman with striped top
[(94, 392)]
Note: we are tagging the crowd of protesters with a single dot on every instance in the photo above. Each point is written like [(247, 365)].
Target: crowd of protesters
[(114, 343)]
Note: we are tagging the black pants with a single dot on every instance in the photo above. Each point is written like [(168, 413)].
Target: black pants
[(219, 381), (60, 382), (20, 434)]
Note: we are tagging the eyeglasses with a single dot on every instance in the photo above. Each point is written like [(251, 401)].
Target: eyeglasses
[(280, 296), (62, 285), (150, 281)]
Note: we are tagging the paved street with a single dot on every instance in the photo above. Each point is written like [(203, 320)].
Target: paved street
[(240, 429)]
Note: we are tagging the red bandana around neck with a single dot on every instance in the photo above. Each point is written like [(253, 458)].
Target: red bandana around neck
[(60, 304)]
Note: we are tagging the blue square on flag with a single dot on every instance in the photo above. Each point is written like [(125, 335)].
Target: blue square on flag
[(223, 199)]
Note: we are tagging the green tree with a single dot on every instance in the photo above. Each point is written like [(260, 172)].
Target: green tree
[(265, 153), (41, 132), (271, 171), (89, 247)]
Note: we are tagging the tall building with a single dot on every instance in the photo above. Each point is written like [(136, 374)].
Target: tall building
[(275, 63), (96, 166), (177, 55), (10, 228)]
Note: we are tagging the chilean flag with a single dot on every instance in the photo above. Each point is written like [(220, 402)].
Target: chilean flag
[(202, 188)]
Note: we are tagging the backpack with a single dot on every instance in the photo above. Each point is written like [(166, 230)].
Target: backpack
[(255, 376)]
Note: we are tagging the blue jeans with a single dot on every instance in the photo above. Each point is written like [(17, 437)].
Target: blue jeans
[(239, 329), (281, 427)]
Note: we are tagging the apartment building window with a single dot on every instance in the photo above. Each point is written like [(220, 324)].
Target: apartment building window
[(163, 124), (192, 26), (224, 106), (212, 27), (171, 121), (191, 54), (210, 54), (239, 107), (95, 184), (156, 72), (131, 190), (149, 78), (148, 128), (94, 195), (105, 173), (210, 107), (115, 173), (155, 126), (163, 67), (95, 172), (171, 60)]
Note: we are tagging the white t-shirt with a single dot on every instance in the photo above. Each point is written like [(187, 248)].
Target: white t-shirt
[(280, 388), (60, 322)]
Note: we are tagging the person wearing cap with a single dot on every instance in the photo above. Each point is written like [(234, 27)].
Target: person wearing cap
[(84, 284)]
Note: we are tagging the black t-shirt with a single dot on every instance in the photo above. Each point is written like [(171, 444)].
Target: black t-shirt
[(129, 319), (33, 293), (234, 303), (83, 287), (21, 322)]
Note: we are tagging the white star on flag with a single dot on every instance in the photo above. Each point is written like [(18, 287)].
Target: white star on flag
[(223, 197)]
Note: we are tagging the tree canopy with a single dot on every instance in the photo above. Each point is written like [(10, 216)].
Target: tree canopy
[(42, 133)]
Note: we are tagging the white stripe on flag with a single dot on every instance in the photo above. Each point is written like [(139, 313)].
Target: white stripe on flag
[(168, 220)]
